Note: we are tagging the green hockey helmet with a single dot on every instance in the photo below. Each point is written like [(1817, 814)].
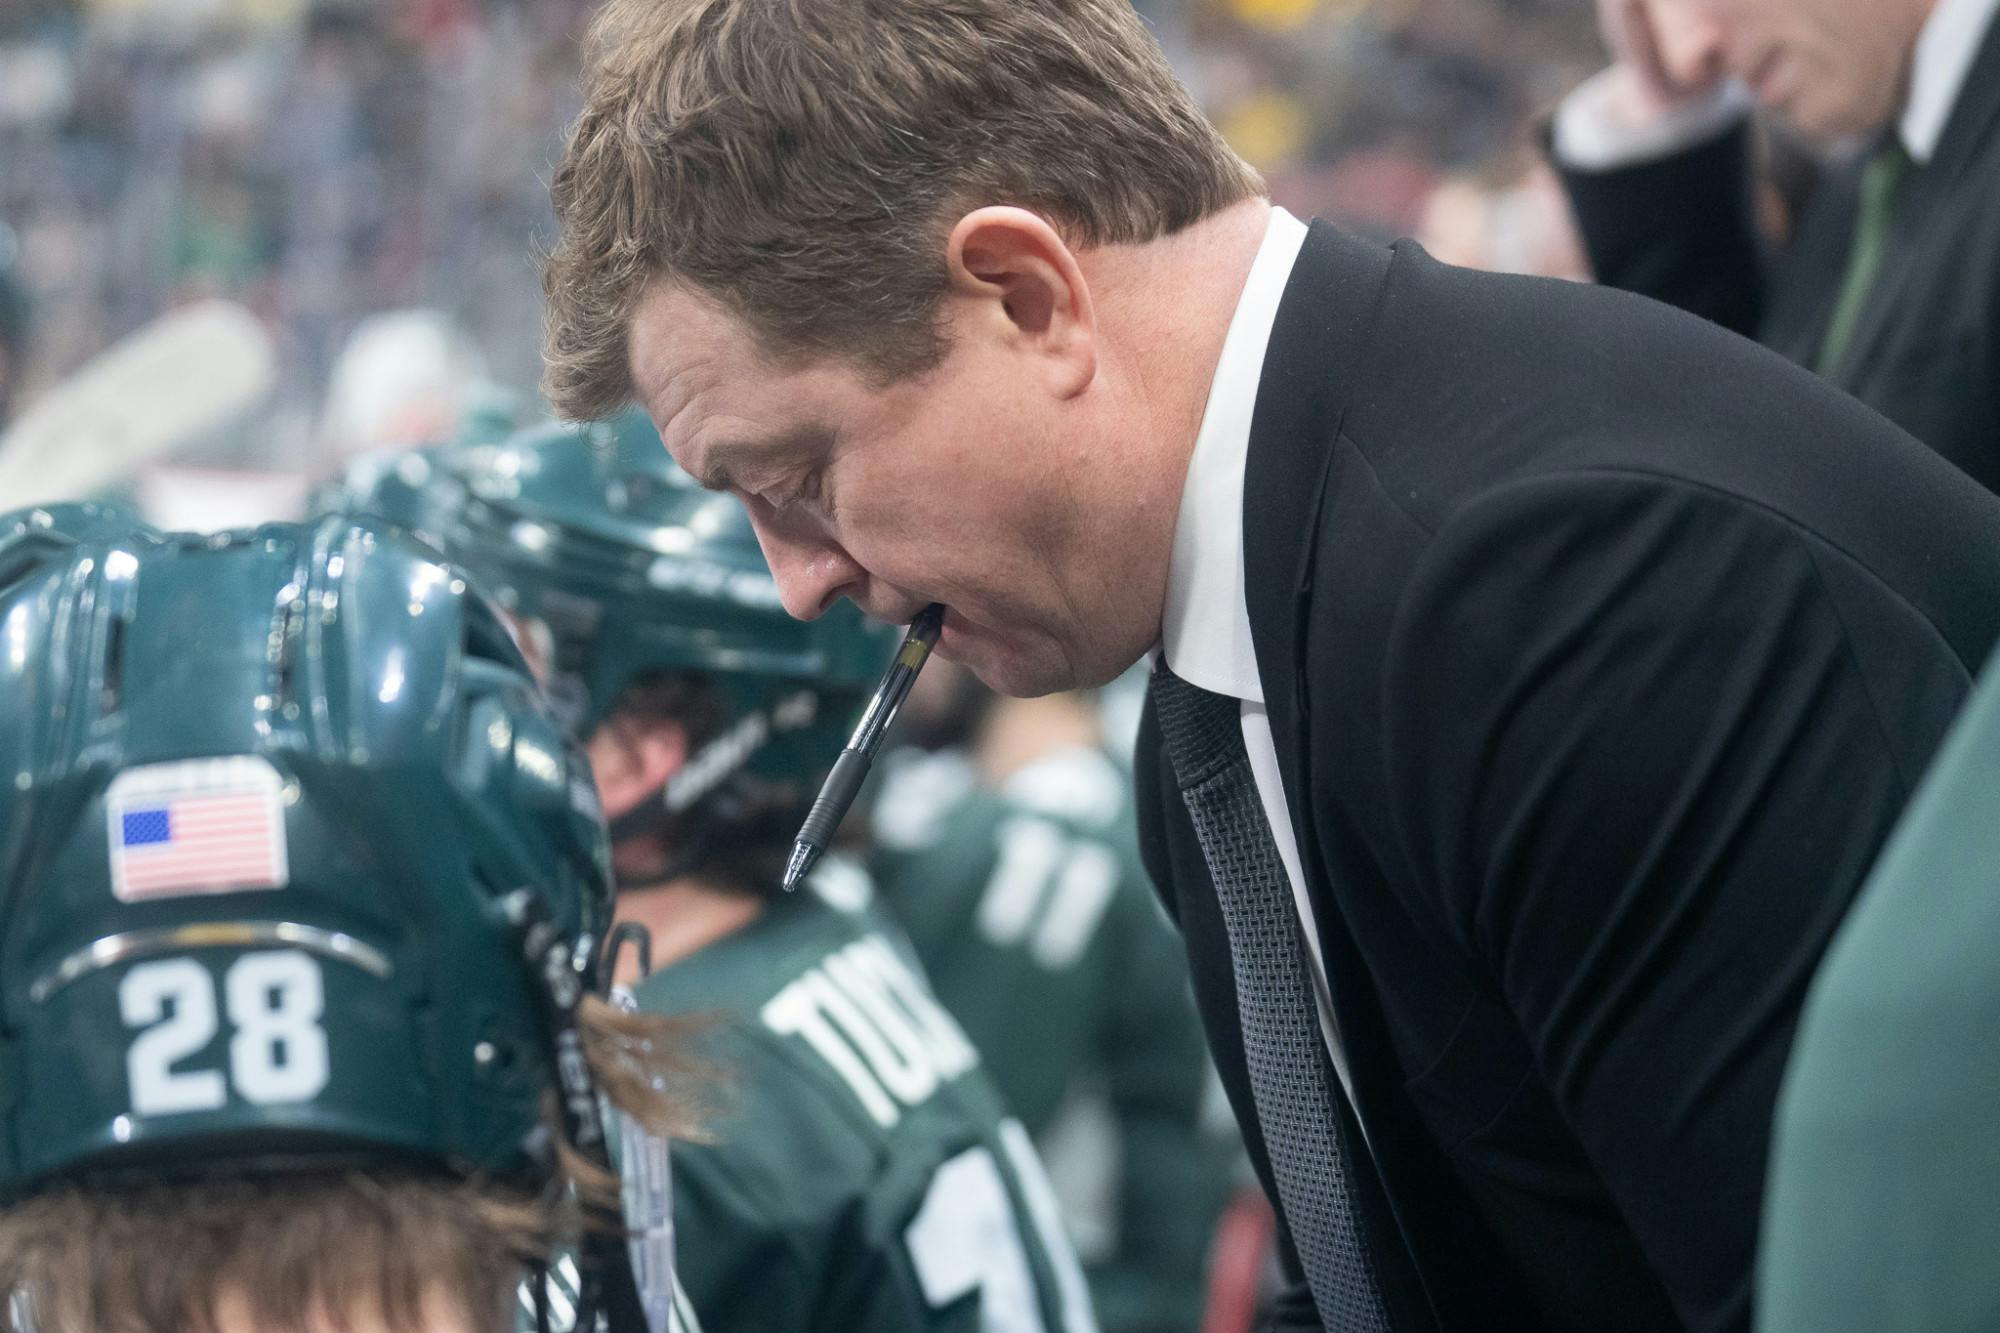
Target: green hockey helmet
[(621, 567), (34, 534), (416, 490), (296, 867)]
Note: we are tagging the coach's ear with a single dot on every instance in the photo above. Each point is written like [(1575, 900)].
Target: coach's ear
[(1015, 282), (632, 758)]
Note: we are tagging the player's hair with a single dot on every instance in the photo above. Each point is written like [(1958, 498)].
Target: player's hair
[(803, 163), (293, 1250)]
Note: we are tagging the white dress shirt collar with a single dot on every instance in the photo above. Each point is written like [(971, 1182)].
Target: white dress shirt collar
[(1205, 633), (1946, 47)]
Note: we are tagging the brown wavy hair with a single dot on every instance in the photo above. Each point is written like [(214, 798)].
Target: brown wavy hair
[(803, 161), (301, 1252)]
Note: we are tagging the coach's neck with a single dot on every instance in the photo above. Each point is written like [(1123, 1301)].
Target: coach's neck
[(1164, 308)]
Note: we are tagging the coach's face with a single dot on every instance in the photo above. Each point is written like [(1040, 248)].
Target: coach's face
[(1831, 68), (1009, 483)]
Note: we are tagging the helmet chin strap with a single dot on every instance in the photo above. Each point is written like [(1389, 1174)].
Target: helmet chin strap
[(719, 812), (647, 818), (607, 1286), (643, 818)]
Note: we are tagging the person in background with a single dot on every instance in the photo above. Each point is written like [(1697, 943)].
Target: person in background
[(1506, 221), (303, 895), (404, 378), (862, 1173), (1004, 846), (1890, 282)]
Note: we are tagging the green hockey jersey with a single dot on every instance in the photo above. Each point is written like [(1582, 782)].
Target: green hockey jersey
[(864, 1176), (1030, 909)]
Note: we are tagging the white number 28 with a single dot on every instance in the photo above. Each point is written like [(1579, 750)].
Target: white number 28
[(277, 1051)]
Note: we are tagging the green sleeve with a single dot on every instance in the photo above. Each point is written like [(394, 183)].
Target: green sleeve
[(1881, 1210)]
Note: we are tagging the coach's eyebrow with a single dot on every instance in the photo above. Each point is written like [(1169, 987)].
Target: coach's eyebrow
[(720, 461)]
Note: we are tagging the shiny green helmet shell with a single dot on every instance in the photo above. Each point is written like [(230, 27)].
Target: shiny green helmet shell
[(279, 811), (625, 567), (416, 490), (36, 533)]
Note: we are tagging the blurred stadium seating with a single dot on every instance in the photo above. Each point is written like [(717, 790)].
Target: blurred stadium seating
[(324, 162)]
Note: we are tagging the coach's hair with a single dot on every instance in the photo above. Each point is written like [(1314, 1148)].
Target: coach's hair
[(299, 1251), (803, 162)]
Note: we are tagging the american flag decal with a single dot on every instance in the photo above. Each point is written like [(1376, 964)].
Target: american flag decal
[(197, 826)]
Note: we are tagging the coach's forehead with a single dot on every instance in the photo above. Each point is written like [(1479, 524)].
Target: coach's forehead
[(693, 364), (683, 345), (720, 402)]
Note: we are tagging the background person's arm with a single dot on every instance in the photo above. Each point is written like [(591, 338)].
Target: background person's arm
[(1657, 169)]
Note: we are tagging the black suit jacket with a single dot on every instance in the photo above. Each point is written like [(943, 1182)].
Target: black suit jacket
[(1927, 351), (1601, 649)]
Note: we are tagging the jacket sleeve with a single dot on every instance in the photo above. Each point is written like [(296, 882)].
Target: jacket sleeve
[(1680, 229), (1639, 764)]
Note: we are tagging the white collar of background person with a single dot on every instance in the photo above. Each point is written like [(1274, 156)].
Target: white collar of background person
[(1950, 41)]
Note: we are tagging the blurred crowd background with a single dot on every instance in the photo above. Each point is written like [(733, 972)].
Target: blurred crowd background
[(323, 163)]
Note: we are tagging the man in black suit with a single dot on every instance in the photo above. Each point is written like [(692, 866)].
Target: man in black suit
[(1890, 284), (1538, 668)]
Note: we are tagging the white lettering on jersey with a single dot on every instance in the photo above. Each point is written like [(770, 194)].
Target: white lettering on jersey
[(795, 1012), (966, 1239), (904, 1062), (912, 1080), (879, 965), (867, 1015)]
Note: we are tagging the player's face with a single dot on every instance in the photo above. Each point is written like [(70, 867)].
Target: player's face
[(631, 758), (970, 485), (1831, 68)]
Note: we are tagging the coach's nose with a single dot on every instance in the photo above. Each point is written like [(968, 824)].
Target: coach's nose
[(812, 570)]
